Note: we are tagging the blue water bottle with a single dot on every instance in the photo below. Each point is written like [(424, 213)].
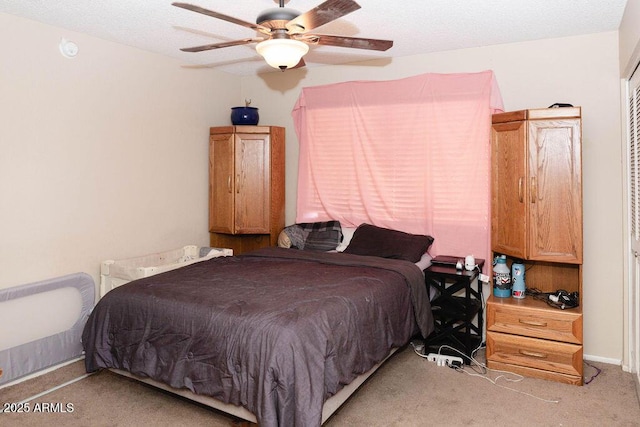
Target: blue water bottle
[(501, 277), (518, 289)]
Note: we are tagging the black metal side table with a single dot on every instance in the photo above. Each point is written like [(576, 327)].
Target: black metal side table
[(457, 309)]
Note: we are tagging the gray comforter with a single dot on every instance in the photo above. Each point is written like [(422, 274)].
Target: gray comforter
[(277, 331)]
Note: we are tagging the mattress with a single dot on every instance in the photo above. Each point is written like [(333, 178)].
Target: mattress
[(276, 331)]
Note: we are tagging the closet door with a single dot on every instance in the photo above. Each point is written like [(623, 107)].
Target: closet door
[(633, 186)]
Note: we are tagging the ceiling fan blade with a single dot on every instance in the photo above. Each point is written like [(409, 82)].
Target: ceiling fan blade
[(221, 45), (227, 18), (343, 41), (300, 64), (326, 12)]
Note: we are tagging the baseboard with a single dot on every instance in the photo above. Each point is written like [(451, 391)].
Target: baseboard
[(608, 360)]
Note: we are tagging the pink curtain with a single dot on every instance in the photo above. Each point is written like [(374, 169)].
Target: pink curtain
[(410, 154)]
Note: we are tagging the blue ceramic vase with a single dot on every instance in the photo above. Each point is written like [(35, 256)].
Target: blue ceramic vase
[(244, 116)]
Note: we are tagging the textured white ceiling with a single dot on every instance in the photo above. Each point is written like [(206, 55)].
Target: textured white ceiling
[(418, 26)]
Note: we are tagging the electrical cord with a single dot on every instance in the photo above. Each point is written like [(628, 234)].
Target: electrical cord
[(559, 299), (598, 371), (483, 302), (484, 371)]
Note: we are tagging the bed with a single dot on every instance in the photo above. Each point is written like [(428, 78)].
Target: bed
[(276, 336)]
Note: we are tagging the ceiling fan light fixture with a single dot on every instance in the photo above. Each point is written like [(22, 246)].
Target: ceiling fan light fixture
[(282, 53)]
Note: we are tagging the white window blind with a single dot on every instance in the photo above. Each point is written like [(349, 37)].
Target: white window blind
[(412, 155)]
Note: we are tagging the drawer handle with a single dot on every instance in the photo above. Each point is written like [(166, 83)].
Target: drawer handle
[(532, 354), (533, 323)]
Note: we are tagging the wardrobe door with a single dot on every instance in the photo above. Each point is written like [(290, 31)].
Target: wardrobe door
[(253, 183), (509, 188), (555, 214), (221, 183)]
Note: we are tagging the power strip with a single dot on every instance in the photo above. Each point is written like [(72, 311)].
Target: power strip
[(444, 359)]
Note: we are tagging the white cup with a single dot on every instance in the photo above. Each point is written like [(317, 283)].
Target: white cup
[(469, 262)]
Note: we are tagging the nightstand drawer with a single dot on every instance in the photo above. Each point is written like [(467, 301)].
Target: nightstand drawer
[(556, 325), (535, 353)]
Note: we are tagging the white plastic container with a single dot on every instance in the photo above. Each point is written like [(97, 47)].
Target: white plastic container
[(117, 273), (519, 289)]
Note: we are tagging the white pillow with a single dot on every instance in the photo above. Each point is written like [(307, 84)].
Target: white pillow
[(347, 234), (425, 261)]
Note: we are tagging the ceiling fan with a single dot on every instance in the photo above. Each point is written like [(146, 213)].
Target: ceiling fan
[(284, 37)]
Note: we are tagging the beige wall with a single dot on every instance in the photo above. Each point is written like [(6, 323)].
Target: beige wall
[(580, 70), (103, 156)]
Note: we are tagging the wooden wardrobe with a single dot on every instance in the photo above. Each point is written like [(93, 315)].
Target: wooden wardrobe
[(536, 218), (246, 186)]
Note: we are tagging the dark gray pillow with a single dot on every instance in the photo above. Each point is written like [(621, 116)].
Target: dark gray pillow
[(322, 236), (326, 240), (386, 243)]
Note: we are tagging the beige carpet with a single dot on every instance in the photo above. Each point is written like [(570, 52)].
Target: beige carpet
[(406, 391)]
